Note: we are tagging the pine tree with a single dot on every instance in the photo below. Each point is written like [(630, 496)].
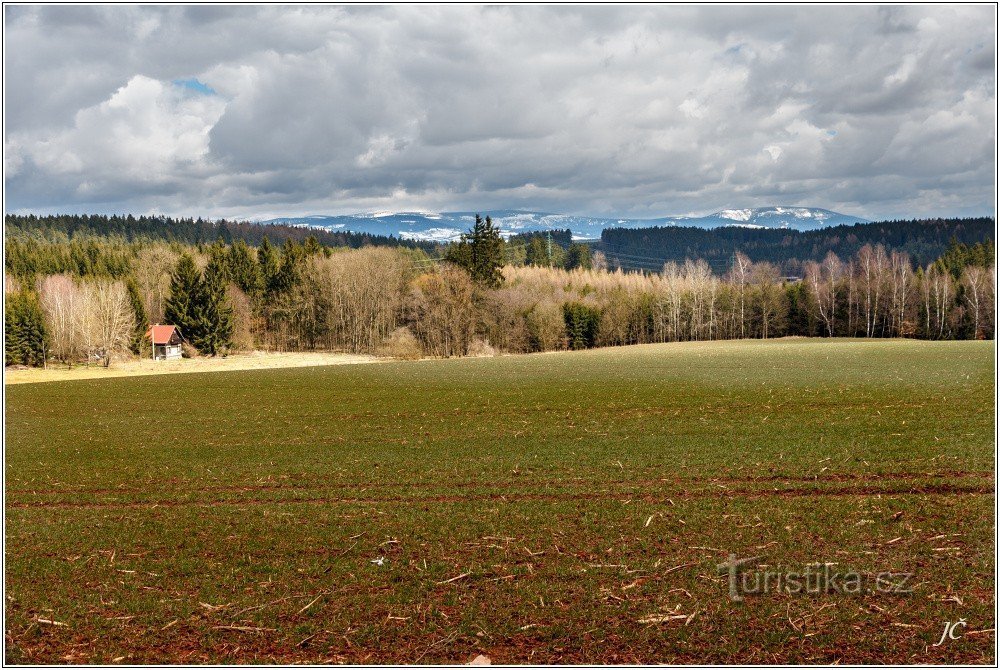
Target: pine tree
[(311, 246), (578, 256), (213, 315), (487, 253), (267, 260), (460, 253), (481, 252), (582, 323), (218, 254), (244, 270), (536, 253), (289, 272), (25, 337), (181, 306), (138, 344)]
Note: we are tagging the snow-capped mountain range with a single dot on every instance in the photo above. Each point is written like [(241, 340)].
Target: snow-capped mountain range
[(447, 226)]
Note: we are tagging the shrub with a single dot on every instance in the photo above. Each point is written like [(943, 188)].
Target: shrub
[(481, 348), (401, 344)]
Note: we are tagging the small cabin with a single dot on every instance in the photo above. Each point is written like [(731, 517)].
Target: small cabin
[(166, 342)]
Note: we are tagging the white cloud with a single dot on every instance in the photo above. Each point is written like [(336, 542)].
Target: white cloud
[(146, 131), (627, 111)]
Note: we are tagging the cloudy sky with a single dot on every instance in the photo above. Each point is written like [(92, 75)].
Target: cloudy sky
[(623, 111)]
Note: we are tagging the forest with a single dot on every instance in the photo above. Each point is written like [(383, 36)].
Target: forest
[(922, 240), (186, 231), (75, 296)]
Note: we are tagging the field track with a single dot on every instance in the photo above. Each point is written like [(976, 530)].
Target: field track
[(555, 509)]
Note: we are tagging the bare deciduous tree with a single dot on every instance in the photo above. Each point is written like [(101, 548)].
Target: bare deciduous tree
[(361, 294), (740, 277), (440, 310), (976, 284), (900, 283), (823, 280), (153, 266), (937, 296), (111, 319), (873, 267), (63, 303), (768, 297)]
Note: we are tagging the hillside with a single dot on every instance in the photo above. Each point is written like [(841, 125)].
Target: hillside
[(924, 240), (447, 226), (190, 231)]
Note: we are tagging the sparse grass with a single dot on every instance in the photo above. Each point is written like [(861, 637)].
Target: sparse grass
[(234, 517), (256, 360)]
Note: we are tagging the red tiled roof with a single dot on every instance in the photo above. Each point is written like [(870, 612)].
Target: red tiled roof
[(161, 334)]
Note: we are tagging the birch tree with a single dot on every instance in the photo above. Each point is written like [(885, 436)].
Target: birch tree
[(976, 284)]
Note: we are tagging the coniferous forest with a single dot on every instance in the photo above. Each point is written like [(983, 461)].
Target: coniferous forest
[(86, 288)]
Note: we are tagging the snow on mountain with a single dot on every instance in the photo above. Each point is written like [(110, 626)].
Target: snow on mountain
[(448, 226), (432, 234), (736, 214)]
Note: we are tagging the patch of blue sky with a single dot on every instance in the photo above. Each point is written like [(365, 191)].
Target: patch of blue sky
[(192, 84)]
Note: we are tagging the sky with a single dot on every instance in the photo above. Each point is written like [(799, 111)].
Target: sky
[(642, 111)]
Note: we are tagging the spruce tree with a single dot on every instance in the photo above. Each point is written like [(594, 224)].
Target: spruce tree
[(138, 343), (311, 246), (582, 323), (219, 255), (487, 253), (289, 274), (460, 253), (481, 252), (535, 254), (213, 314), (267, 260), (181, 306), (25, 336), (244, 270), (578, 256)]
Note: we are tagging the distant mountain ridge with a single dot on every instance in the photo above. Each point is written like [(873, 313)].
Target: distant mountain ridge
[(447, 226)]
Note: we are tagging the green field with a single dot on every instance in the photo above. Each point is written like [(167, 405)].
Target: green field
[(567, 507)]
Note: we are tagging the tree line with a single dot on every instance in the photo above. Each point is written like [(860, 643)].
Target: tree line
[(96, 303), (65, 227), (922, 240)]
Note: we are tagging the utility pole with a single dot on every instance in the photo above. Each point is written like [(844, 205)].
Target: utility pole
[(548, 234)]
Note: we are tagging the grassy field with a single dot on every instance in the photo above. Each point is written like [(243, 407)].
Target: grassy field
[(565, 507)]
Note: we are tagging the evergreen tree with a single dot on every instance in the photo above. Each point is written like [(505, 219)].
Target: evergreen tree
[(481, 252), (537, 254), (581, 325), (460, 253), (138, 344), (578, 256), (181, 307), (213, 331), (800, 314), (959, 256), (267, 259), (218, 254), (25, 337), (244, 269), (289, 272), (487, 253), (311, 246)]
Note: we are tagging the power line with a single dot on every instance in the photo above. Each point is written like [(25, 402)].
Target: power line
[(716, 261)]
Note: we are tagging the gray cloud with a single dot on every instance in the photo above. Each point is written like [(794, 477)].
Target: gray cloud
[(633, 111)]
